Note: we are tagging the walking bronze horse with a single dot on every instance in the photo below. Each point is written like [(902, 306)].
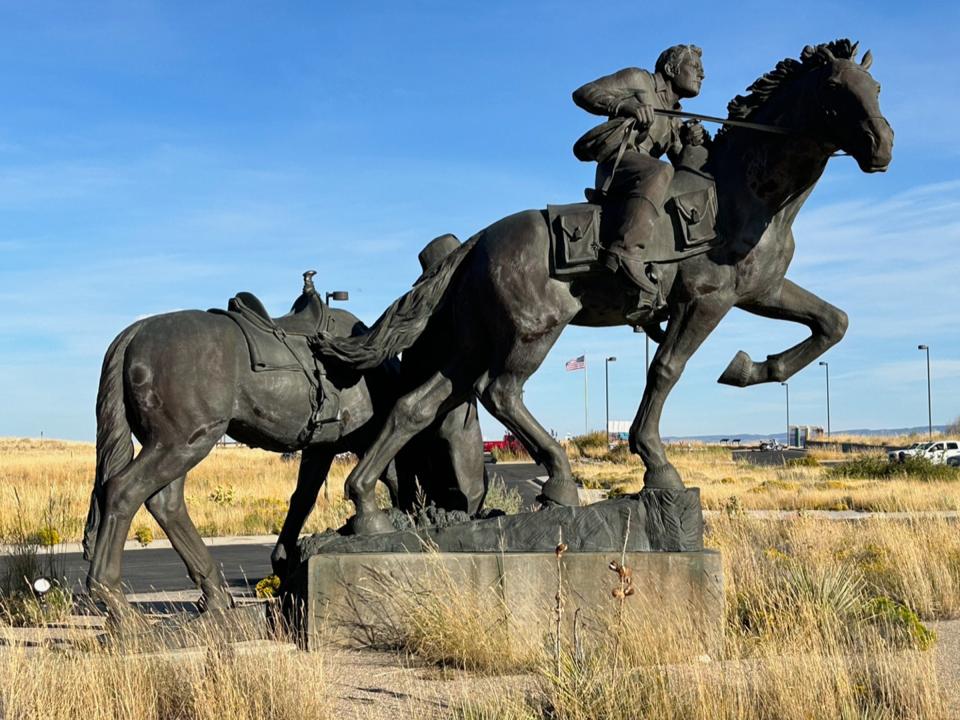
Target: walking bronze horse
[(179, 382), (491, 312)]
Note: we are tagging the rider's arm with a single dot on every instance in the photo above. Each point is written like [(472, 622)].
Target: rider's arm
[(607, 95)]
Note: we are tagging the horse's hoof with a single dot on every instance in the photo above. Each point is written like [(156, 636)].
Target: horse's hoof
[(214, 598), (559, 492), (278, 561), (371, 523), (664, 477), (738, 371)]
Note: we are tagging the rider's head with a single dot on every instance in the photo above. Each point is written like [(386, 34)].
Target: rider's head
[(682, 67)]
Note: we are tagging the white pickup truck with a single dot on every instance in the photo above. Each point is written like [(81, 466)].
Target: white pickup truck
[(938, 452)]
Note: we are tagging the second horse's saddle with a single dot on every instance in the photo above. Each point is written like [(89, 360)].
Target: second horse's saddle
[(280, 343)]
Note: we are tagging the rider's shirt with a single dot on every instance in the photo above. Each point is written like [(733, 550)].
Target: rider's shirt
[(604, 97)]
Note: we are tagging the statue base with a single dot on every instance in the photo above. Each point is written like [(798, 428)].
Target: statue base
[(346, 587)]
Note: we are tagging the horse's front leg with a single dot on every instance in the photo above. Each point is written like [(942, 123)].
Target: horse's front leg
[(690, 323), (314, 466), (788, 302)]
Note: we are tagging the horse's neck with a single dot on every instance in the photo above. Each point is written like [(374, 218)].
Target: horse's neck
[(764, 176)]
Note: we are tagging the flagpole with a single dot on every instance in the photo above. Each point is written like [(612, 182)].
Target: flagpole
[(586, 423)]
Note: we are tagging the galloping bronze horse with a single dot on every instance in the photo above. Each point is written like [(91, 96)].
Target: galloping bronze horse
[(491, 312)]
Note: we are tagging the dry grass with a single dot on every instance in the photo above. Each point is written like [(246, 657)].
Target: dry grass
[(216, 682), (794, 487), (234, 491), (821, 623)]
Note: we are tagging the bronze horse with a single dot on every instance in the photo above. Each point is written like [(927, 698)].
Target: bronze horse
[(181, 381), (491, 312)]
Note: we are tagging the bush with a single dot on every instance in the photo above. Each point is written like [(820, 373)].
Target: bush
[(223, 495), (48, 537), (878, 468), (143, 535), (902, 623), (268, 587), (805, 461)]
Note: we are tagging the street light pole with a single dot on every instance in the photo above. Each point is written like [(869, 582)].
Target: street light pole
[(787, 388), (826, 367), (341, 296), (929, 396), (606, 372), (646, 338)]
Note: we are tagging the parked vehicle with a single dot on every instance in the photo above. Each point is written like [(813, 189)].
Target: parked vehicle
[(508, 444), (903, 453), (939, 452)]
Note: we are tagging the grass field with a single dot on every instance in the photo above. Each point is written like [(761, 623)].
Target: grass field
[(823, 620), (45, 487)]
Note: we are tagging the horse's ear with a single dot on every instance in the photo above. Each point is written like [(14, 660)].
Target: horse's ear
[(867, 60), (853, 50)]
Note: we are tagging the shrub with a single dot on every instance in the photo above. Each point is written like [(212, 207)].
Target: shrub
[(878, 468), (805, 461), (268, 587), (48, 537), (223, 495), (143, 535), (902, 623)]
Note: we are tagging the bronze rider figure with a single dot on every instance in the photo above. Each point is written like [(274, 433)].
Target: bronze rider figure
[(627, 149)]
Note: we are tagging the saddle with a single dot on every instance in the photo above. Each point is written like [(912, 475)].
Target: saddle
[(687, 227), (281, 344)]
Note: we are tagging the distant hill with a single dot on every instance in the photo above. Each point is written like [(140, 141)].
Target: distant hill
[(752, 437)]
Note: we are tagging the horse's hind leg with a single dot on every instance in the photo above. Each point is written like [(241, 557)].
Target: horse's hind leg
[(153, 469), (411, 414), (314, 465), (170, 511), (503, 397)]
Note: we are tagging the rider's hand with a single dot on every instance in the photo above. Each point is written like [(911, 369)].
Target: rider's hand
[(693, 133), (634, 108)]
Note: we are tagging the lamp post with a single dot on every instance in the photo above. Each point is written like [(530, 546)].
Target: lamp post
[(787, 388), (646, 338), (929, 397), (826, 367), (340, 296), (606, 373)]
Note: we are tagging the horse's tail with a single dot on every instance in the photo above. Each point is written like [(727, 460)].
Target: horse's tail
[(114, 441), (401, 323)]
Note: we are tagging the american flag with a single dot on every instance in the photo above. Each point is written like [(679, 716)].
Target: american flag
[(578, 363)]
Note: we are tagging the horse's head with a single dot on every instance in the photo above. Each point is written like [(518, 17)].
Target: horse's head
[(846, 105)]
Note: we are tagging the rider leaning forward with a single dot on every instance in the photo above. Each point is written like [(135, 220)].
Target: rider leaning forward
[(628, 145)]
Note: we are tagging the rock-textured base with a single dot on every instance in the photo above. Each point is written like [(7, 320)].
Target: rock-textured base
[(363, 598), (651, 521)]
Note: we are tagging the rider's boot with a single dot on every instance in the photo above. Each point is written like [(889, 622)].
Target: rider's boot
[(625, 254)]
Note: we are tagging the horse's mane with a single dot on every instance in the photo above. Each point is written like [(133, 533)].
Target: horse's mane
[(742, 107)]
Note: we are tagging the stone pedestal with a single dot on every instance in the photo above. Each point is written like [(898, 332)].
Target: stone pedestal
[(343, 597), (341, 588)]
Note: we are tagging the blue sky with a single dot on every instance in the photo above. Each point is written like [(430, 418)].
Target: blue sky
[(164, 155)]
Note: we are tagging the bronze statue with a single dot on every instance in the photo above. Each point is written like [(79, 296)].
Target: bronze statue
[(489, 313), (632, 183), (181, 381)]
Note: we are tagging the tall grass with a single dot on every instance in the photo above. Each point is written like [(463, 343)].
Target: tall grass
[(824, 620), (218, 682), (234, 491)]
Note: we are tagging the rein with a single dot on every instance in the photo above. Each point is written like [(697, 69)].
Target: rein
[(762, 127)]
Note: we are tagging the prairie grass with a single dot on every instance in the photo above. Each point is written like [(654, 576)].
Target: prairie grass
[(865, 483), (234, 491), (823, 620), (215, 682)]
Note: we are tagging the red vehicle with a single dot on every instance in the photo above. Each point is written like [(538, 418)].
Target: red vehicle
[(508, 444)]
